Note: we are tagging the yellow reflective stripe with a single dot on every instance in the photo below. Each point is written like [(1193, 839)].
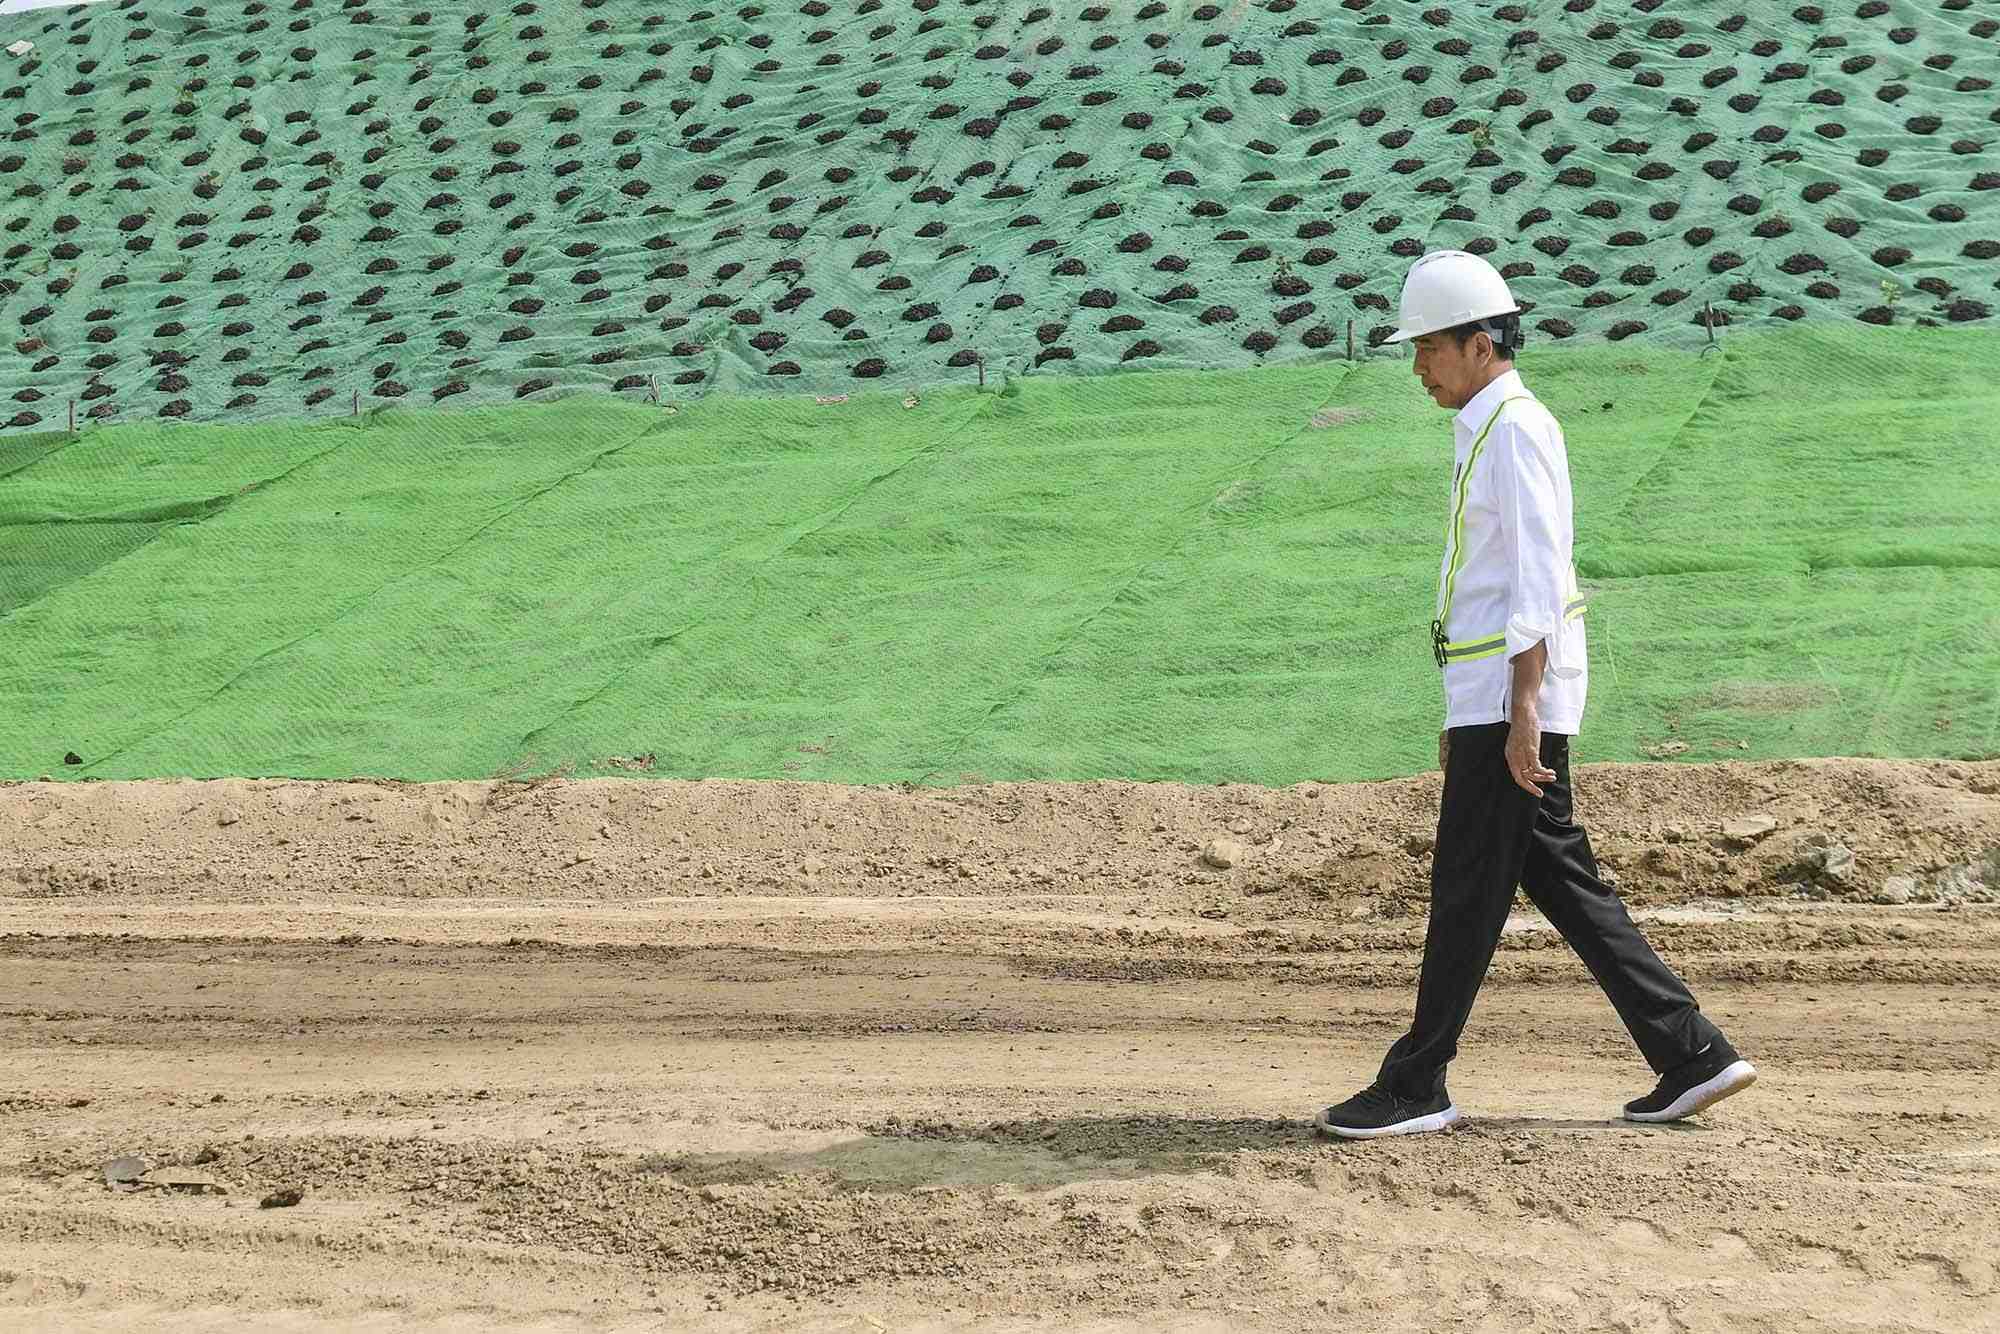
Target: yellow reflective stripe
[(1455, 533), (1465, 648), (1484, 648)]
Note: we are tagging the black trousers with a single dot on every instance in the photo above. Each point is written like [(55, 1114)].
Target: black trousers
[(1493, 834)]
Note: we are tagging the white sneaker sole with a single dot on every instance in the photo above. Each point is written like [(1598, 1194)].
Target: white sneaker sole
[(1733, 1079), (1416, 1125)]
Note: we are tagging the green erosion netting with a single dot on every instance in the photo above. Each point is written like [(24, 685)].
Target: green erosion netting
[(1790, 546), (230, 210)]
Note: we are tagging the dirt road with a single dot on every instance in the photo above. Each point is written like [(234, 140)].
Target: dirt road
[(641, 1055)]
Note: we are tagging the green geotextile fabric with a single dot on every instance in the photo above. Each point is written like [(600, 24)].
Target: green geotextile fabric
[(1789, 546), (229, 211)]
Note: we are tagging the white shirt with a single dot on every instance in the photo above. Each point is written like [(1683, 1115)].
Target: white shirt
[(1516, 575)]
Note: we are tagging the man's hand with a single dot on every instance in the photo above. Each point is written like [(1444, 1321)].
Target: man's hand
[(1444, 749), (1524, 738), (1524, 753)]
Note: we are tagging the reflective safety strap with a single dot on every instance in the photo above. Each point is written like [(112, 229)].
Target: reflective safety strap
[(1466, 650)]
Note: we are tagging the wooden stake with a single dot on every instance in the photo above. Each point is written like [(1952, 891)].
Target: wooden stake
[(72, 416), (1708, 319), (980, 361), (1350, 340), (357, 402)]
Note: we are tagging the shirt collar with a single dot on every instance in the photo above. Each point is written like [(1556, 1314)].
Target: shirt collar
[(1474, 414)]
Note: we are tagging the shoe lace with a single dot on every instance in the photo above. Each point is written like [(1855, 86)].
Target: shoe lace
[(1376, 1097)]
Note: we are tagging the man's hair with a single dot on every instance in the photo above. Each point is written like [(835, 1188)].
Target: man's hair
[(1504, 330)]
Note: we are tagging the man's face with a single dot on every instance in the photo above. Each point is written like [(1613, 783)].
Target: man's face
[(1452, 371)]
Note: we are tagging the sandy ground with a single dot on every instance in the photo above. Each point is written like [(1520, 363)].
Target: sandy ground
[(645, 1055)]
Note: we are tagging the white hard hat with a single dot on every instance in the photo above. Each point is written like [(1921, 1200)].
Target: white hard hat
[(1447, 288)]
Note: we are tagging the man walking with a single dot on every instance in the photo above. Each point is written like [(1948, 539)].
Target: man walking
[(1509, 638)]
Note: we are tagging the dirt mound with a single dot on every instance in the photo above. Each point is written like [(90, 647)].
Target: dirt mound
[(1667, 834)]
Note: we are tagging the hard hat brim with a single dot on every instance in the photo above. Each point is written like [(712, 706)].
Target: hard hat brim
[(1405, 335)]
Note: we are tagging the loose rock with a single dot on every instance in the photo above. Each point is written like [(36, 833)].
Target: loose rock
[(124, 1170), (1823, 861), (183, 1179), (1897, 889), (1222, 853), (1837, 862)]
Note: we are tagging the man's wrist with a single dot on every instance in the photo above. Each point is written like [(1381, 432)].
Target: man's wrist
[(1524, 684)]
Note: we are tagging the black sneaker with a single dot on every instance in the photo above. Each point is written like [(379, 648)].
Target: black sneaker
[(1715, 1073), (1375, 1112)]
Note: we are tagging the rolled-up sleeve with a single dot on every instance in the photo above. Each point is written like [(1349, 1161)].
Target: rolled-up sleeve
[(1532, 496)]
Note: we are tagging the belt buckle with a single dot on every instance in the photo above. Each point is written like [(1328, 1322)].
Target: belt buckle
[(1437, 643)]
